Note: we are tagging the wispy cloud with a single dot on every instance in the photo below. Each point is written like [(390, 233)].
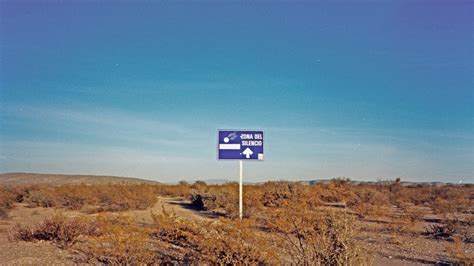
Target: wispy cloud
[(97, 123)]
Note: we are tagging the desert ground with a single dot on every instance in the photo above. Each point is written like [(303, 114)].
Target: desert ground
[(131, 221)]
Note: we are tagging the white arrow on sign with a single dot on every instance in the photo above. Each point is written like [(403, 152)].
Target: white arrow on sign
[(247, 153)]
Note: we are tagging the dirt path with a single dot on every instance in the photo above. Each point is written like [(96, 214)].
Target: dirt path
[(171, 205), (182, 208)]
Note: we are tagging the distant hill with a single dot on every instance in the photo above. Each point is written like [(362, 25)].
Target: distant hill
[(403, 183), (57, 179)]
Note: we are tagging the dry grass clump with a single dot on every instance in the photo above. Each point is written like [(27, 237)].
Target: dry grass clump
[(58, 229)]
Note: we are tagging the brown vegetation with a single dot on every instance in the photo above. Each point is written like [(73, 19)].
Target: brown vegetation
[(224, 241), (97, 198), (286, 222), (7, 199), (58, 229), (324, 238), (120, 241)]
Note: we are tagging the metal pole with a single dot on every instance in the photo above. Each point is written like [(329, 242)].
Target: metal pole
[(241, 207)]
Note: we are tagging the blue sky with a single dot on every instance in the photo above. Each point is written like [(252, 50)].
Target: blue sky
[(364, 89)]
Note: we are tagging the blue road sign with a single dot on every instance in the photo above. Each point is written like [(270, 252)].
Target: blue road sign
[(240, 145)]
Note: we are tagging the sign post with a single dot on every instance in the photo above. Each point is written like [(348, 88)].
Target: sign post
[(241, 192), (240, 145)]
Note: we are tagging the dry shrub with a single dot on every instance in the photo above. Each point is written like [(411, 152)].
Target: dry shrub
[(105, 238), (310, 238), (172, 229), (334, 192), (341, 181), (11, 194), (369, 202), (125, 197), (7, 200), (177, 238), (42, 198), (182, 190), (109, 239), (376, 200), (452, 198), (365, 199), (451, 229), (407, 220), (278, 194), (223, 241), (288, 219), (443, 206), (227, 241), (222, 198), (442, 199), (110, 197), (121, 241), (59, 229), (440, 231), (3, 212)]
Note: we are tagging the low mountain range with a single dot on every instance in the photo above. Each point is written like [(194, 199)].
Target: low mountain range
[(58, 179)]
